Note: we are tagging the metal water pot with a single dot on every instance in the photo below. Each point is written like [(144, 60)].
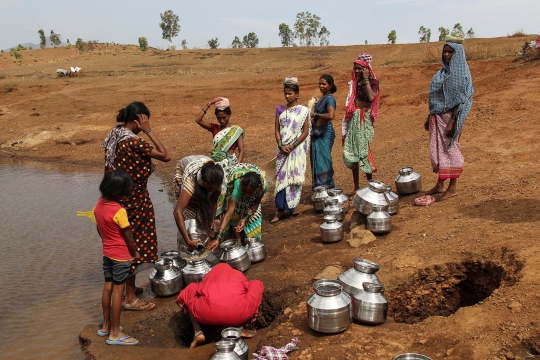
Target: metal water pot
[(373, 194), (256, 250), (393, 201), (331, 229), (329, 308), (235, 255), (195, 270), (165, 279), (174, 255), (343, 199), (369, 306), (318, 198), (408, 182), (362, 271), (379, 221), (333, 208), (412, 356), (225, 350), (235, 334)]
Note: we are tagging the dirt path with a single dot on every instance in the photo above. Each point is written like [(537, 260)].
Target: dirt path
[(461, 276)]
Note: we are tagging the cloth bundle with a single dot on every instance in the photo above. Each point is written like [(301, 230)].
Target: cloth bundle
[(424, 200), (271, 353)]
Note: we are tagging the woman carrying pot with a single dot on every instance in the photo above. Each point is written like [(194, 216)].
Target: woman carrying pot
[(124, 149), (198, 182)]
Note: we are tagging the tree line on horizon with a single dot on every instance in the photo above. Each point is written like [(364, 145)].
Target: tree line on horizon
[(425, 33)]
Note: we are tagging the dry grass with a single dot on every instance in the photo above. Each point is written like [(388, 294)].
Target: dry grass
[(392, 61), (10, 88), (517, 33), (432, 55), (485, 52)]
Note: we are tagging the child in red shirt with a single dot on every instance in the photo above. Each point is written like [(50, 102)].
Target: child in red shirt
[(118, 250)]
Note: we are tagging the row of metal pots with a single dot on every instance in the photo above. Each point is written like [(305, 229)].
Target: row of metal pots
[(172, 272)]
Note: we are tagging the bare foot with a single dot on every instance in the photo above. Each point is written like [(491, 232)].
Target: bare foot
[(436, 190), (198, 339), (447, 195), (248, 334)]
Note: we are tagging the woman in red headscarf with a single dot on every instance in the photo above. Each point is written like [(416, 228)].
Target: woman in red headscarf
[(362, 108)]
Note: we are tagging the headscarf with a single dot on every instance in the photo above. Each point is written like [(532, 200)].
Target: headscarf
[(364, 60), (117, 134), (222, 104), (452, 86)]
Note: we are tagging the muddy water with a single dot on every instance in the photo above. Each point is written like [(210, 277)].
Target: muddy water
[(51, 278)]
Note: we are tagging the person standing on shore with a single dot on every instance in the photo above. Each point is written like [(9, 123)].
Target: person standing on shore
[(450, 100), (362, 108), (124, 149)]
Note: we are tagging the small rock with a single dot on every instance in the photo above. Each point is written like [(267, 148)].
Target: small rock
[(331, 272), (515, 307), (287, 311), (296, 332), (359, 236), (160, 190), (72, 143), (510, 355), (448, 352)]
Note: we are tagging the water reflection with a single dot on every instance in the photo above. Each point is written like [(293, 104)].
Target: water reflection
[(52, 280)]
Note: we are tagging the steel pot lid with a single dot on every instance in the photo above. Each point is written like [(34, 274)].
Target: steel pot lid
[(163, 264), (171, 253), (372, 287), (331, 223), (327, 287), (225, 345), (229, 244), (365, 266), (321, 188), (377, 186), (231, 332), (405, 171), (330, 218), (412, 356)]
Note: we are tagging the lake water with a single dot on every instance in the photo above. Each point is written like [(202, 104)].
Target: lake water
[(52, 279)]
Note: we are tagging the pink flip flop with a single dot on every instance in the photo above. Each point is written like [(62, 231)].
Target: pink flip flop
[(424, 200)]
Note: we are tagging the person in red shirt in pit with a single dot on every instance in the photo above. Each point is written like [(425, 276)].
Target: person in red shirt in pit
[(118, 251)]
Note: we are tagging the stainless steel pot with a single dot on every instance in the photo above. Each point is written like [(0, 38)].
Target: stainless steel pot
[(165, 279), (373, 194), (328, 308), (412, 356), (195, 270), (343, 199), (235, 334), (225, 350), (333, 208), (379, 221), (235, 255), (318, 198), (174, 255), (362, 271), (369, 306), (256, 250), (393, 201), (331, 229), (408, 182)]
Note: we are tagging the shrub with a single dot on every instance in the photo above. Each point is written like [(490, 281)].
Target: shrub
[(518, 33), (10, 88), (143, 43)]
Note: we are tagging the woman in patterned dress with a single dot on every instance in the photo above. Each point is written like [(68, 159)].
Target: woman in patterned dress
[(124, 149), (292, 128), (450, 100), (226, 139)]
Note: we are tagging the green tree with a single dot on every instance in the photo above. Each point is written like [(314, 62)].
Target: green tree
[(55, 39), (184, 44), (470, 33), (457, 29), (42, 39), (237, 43), (143, 43), (443, 33), (307, 28), (285, 34), (323, 36), (425, 34), (169, 25), (250, 40), (79, 45), (213, 43), (392, 37)]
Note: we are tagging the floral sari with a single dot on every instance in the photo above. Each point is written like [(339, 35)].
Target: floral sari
[(223, 141), (291, 169)]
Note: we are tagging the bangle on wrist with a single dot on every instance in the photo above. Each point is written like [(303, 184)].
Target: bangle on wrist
[(295, 144), (316, 116), (147, 131)]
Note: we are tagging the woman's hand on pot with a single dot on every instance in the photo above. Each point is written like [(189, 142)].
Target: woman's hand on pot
[(192, 244), (143, 122), (240, 225), (212, 245)]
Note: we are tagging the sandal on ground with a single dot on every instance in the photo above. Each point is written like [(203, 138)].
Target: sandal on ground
[(139, 305), (194, 342), (122, 341)]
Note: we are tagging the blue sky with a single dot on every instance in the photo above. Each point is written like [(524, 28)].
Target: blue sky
[(350, 22)]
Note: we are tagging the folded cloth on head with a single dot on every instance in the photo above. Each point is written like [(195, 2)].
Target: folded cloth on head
[(424, 200), (271, 353), (222, 104)]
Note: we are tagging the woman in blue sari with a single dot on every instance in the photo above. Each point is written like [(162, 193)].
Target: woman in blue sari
[(323, 134)]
